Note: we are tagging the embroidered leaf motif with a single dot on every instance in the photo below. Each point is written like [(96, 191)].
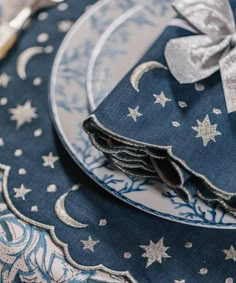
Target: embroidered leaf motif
[(217, 111), (182, 104), (199, 87), (175, 124)]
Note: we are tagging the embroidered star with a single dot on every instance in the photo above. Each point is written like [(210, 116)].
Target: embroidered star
[(23, 113), (206, 130), (230, 254), (89, 244), (4, 80), (161, 99), (155, 252), (64, 26), (21, 192), (49, 160), (134, 113)]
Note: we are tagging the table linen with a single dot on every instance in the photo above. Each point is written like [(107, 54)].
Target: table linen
[(37, 172)]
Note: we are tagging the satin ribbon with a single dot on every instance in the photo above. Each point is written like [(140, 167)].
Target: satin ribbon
[(193, 58)]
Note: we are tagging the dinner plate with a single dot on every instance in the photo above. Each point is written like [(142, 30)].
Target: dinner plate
[(97, 52)]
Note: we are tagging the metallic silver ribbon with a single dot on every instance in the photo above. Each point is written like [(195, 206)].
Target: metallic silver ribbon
[(193, 58)]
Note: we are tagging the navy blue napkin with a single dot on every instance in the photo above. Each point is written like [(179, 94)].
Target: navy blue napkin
[(181, 134)]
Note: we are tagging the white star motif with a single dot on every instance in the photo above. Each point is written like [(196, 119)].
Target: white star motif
[(155, 252), (23, 113), (89, 244), (4, 80), (49, 160), (21, 192), (206, 131), (64, 26), (161, 99), (134, 113), (230, 254)]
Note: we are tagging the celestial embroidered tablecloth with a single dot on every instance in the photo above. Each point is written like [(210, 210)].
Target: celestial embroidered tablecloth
[(103, 239)]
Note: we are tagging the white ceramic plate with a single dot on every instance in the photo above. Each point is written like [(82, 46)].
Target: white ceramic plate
[(100, 48)]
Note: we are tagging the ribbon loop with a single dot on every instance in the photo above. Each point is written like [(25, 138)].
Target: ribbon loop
[(211, 17), (194, 58)]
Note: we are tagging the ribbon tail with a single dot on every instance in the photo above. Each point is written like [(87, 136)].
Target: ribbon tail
[(228, 74)]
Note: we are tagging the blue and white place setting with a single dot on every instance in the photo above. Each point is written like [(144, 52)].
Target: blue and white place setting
[(117, 141)]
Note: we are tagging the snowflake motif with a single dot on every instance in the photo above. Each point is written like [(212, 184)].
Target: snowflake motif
[(206, 130), (155, 252), (23, 114), (230, 254)]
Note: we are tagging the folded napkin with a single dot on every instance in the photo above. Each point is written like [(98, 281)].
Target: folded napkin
[(152, 125)]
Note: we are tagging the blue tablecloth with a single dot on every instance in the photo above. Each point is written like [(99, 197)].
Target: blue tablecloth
[(37, 171)]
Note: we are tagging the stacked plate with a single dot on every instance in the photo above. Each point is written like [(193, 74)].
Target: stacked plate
[(104, 44)]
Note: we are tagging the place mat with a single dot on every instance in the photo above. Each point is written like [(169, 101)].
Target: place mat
[(99, 230), (25, 244)]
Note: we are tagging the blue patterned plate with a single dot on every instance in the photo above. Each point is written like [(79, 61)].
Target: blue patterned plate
[(101, 47)]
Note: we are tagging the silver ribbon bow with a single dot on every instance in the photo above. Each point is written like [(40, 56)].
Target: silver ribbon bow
[(193, 58)]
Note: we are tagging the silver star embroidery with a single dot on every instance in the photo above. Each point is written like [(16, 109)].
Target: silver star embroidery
[(155, 252), (230, 254), (89, 244), (21, 192), (64, 26), (4, 80), (206, 131), (161, 99), (134, 113), (49, 160), (23, 113)]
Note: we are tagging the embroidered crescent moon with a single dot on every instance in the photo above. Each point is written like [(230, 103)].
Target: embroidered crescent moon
[(25, 57), (61, 213), (141, 69)]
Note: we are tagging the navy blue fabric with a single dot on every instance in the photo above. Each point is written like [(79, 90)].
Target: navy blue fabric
[(127, 228)]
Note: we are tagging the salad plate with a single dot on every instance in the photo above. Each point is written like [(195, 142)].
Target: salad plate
[(99, 50)]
